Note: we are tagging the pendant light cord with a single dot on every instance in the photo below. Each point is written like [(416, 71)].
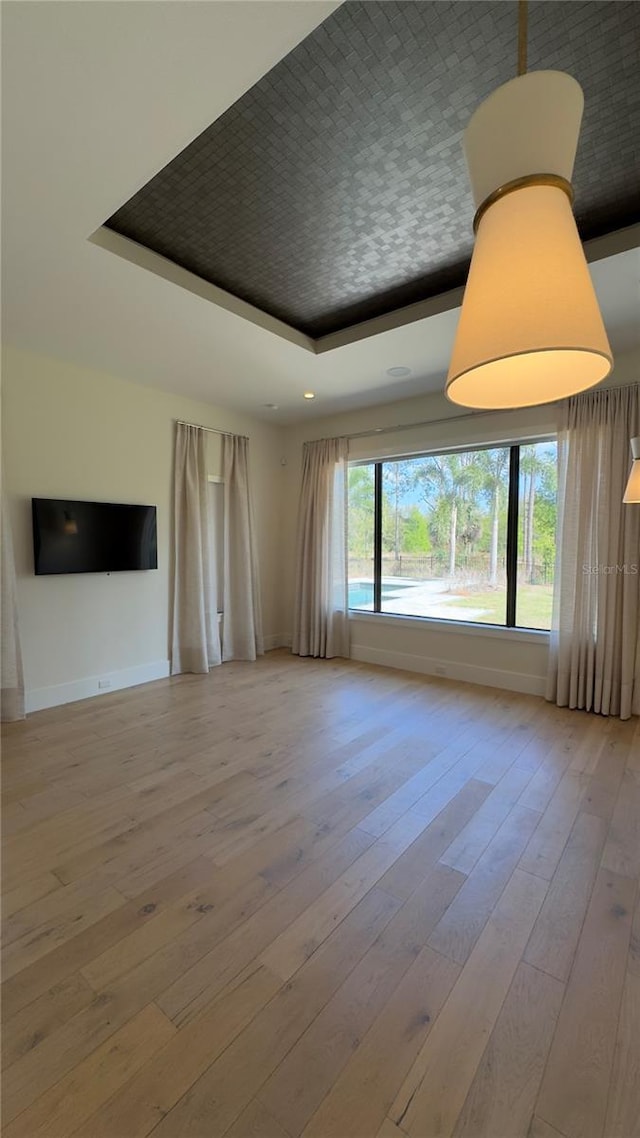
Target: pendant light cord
[(522, 37)]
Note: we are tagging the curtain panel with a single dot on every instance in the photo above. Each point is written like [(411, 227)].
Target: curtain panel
[(594, 661), (321, 614), (196, 640), (242, 611), (12, 705)]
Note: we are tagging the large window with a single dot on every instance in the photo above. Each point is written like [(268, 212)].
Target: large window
[(466, 536)]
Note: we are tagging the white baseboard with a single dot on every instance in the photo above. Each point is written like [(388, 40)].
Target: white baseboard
[(523, 682), (39, 698), (279, 640)]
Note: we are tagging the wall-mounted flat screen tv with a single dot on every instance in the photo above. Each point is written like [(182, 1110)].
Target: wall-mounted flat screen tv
[(92, 537)]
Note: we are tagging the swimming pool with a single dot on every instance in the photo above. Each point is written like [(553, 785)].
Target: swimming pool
[(361, 592)]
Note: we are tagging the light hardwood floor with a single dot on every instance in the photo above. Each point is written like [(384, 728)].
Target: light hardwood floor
[(316, 899)]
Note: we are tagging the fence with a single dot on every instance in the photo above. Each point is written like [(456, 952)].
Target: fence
[(435, 566)]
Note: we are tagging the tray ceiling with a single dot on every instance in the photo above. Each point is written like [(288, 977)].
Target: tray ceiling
[(335, 190)]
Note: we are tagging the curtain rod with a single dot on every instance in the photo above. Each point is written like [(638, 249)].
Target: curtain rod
[(421, 423), (410, 426), (211, 430), (457, 418)]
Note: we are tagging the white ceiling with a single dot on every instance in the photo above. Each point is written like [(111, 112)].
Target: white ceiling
[(97, 97)]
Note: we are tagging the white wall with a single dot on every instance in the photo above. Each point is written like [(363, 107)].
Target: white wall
[(72, 433), (511, 659)]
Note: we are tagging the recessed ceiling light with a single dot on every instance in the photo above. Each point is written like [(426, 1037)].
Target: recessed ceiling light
[(271, 406), (397, 372), (309, 394)]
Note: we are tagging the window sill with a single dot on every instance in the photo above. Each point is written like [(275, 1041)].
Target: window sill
[(467, 628)]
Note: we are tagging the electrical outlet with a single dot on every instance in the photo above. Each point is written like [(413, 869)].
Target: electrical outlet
[(439, 670), (103, 684)]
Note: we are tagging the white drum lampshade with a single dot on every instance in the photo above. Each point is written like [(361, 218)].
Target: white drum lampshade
[(632, 492), (530, 330)]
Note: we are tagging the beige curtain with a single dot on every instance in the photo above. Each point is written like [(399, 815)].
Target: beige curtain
[(242, 613), (196, 641), (321, 615), (595, 639), (12, 704)]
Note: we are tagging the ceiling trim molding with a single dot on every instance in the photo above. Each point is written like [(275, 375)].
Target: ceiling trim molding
[(144, 258), (421, 310), (609, 244), (598, 248)]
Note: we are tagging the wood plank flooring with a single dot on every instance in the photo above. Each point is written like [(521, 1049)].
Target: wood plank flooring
[(317, 899)]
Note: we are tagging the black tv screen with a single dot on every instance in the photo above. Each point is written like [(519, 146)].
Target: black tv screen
[(92, 537)]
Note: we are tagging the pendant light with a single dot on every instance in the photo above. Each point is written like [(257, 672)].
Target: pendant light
[(530, 329), (632, 492)]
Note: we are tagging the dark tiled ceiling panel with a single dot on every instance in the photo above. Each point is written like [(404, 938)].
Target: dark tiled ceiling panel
[(335, 190)]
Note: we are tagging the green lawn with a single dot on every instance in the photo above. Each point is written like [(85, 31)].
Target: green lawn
[(533, 607)]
